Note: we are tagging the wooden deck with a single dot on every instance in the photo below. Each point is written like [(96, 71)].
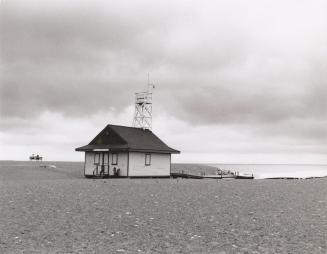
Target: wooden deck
[(229, 176)]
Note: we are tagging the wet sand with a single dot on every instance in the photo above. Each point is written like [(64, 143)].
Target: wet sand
[(56, 210)]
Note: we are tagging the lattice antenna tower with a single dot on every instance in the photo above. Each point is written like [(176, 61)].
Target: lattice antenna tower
[(143, 108)]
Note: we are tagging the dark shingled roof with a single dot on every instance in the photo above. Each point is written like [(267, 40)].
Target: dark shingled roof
[(123, 138)]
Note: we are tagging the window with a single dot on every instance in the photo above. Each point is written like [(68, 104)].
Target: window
[(96, 158), (147, 159), (105, 158), (114, 158)]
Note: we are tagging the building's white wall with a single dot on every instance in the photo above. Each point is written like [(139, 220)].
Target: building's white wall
[(89, 163), (160, 164), (122, 164)]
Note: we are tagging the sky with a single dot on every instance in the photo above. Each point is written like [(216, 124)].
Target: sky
[(235, 81)]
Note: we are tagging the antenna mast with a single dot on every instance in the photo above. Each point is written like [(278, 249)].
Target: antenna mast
[(143, 108)]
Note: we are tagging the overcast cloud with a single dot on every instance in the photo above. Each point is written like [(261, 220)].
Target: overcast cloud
[(236, 81)]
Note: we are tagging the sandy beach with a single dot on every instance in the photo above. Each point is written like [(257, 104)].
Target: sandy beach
[(57, 210)]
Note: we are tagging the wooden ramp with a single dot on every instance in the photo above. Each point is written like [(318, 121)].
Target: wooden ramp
[(184, 175), (219, 176)]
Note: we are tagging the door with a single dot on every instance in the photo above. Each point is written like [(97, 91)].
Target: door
[(101, 164)]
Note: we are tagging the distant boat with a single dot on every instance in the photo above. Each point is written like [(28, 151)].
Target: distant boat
[(244, 176), (36, 157)]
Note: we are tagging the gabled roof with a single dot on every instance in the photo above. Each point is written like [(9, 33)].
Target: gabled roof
[(123, 138)]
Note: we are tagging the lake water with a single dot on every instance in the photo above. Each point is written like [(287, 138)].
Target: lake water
[(261, 171)]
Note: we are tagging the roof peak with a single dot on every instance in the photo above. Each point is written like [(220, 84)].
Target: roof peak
[(131, 127)]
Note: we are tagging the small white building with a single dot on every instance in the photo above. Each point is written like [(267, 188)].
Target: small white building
[(127, 152)]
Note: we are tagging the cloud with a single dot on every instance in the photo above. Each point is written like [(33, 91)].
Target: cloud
[(257, 67), (71, 60)]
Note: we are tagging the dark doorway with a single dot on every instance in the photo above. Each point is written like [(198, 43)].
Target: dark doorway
[(101, 164)]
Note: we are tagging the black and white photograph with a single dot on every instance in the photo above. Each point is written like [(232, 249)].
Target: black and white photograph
[(162, 126)]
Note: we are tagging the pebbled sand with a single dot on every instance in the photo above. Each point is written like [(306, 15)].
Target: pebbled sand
[(56, 210)]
